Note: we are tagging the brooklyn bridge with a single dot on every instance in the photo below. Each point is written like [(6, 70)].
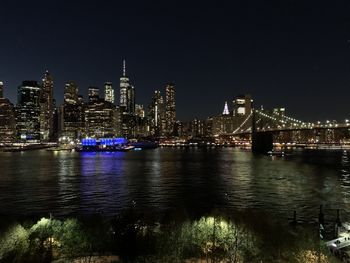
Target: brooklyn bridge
[(267, 127)]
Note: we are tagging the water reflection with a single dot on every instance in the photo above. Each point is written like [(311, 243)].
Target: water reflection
[(196, 180), (102, 182)]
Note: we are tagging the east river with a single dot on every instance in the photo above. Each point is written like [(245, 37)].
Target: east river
[(194, 180)]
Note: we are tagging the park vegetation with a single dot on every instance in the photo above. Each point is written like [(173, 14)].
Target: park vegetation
[(133, 237)]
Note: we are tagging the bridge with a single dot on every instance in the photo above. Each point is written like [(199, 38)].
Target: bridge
[(266, 127)]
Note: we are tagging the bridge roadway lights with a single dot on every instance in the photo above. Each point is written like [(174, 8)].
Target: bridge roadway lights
[(262, 142)]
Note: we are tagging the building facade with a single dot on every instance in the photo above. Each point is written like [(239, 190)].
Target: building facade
[(109, 92), (127, 106), (71, 114), (28, 111), (170, 112), (7, 119), (46, 108)]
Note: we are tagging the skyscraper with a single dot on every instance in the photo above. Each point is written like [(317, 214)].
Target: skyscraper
[(101, 118), (46, 107), (127, 105), (71, 93), (124, 86), (94, 94), (28, 111), (109, 92), (127, 93), (72, 118), (7, 119), (156, 115), (170, 113)]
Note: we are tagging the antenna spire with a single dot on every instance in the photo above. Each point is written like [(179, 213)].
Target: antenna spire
[(124, 68)]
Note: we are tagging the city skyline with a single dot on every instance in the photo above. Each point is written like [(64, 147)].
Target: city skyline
[(284, 54)]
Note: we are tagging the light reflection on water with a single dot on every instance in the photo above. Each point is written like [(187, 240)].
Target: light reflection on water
[(197, 180)]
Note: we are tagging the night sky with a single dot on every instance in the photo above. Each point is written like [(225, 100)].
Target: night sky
[(287, 53)]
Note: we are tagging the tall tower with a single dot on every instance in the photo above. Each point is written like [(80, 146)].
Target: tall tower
[(124, 86), (170, 112), (46, 107), (109, 92), (7, 119), (72, 113), (127, 93), (28, 111), (156, 114)]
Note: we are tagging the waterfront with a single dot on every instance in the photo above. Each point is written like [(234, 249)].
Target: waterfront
[(194, 180)]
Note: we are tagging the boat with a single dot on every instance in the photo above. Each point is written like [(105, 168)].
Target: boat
[(104, 145), (143, 145), (25, 147), (107, 149)]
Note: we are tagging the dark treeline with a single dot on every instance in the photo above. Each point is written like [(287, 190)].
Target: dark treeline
[(133, 236)]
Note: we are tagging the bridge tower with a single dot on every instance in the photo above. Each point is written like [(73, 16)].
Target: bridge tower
[(262, 142)]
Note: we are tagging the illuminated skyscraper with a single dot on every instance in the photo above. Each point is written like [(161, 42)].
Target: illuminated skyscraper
[(72, 117), (46, 107), (127, 105), (101, 119), (7, 119), (127, 93), (28, 111), (156, 115), (71, 93), (94, 94), (109, 92), (124, 86), (170, 113)]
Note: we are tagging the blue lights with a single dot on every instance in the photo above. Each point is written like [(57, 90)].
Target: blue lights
[(88, 142), (120, 141), (106, 141)]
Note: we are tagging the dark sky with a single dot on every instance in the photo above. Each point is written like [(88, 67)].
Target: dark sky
[(287, 53)]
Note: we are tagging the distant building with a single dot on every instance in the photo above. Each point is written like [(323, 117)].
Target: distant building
[(46, 108), (127, 106), (141, 128), (71, 123), (170, 113), (101, 119), (156, 115), (242, 105), (240, 119), (109, 92), (93, 94), (208, 127), (28, 111), (197, 128), (139, 111), (7, 119), (127, 93)]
